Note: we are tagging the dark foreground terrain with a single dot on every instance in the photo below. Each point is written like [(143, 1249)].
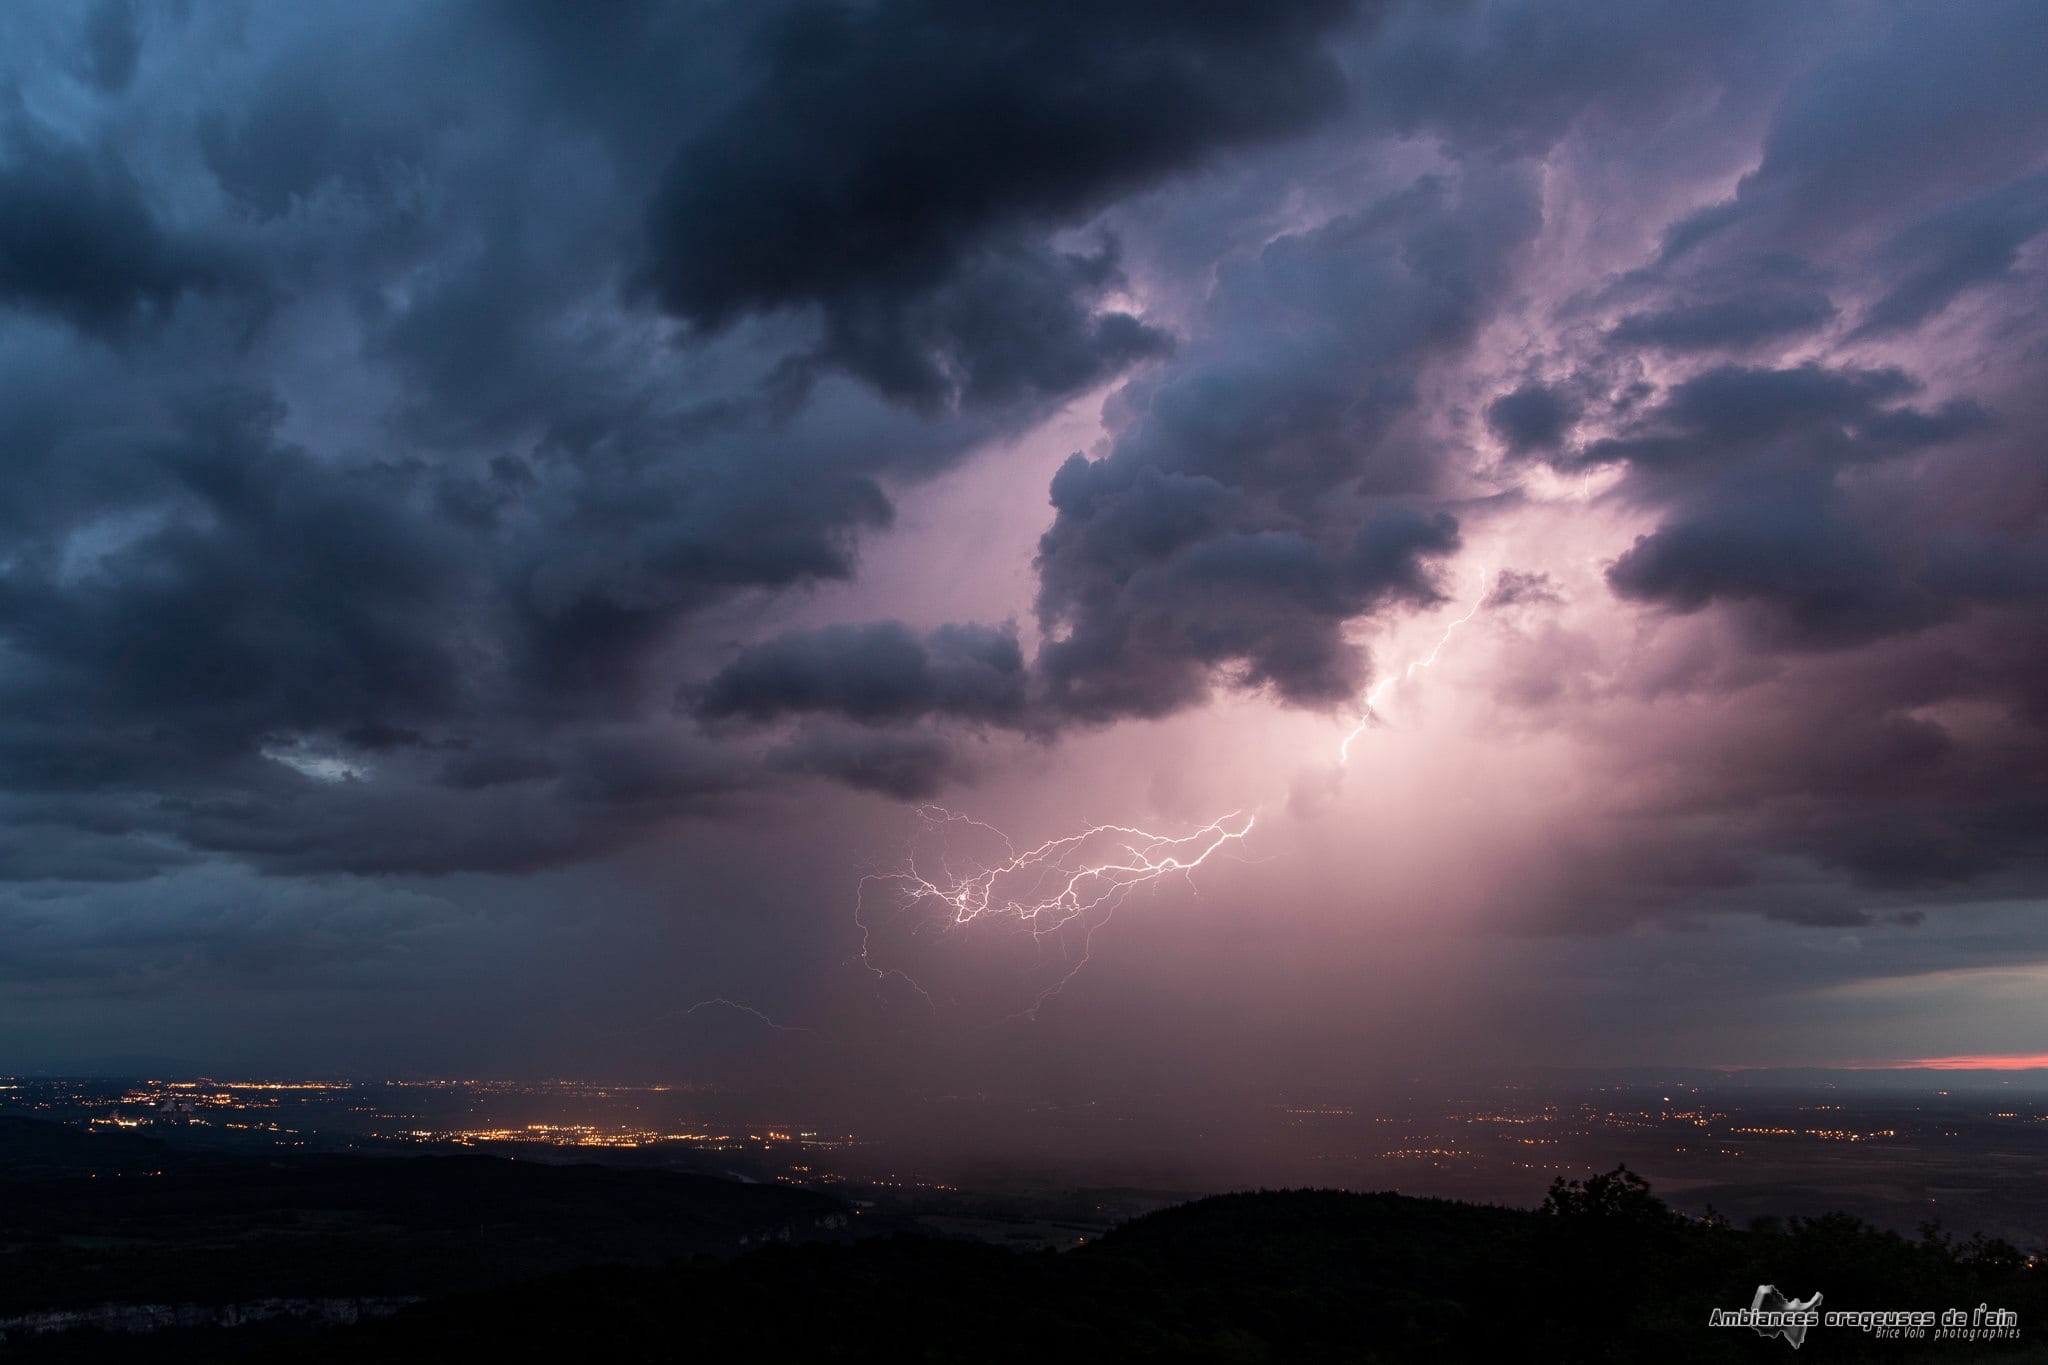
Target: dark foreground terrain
[(1607, 1273), (1604, 1271), (116, 1223)]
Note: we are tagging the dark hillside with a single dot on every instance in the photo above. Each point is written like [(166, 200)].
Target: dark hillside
[(99, 1217), (1604, 1273)]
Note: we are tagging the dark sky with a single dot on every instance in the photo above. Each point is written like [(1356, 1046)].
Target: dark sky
[(509, 509)]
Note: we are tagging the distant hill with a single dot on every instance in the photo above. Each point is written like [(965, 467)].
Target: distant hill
[(1604, 1273)]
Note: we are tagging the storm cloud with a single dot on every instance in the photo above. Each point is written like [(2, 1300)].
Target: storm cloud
[(412, 499), (875, 673), (472, 441), (896, 166)]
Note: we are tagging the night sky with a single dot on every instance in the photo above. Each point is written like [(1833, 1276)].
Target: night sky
[(510, 509)]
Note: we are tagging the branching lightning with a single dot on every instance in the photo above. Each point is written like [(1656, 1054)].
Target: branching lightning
[(1064, 886), (1073, 882)]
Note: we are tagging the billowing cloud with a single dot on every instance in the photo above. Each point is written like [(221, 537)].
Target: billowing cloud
[(1726, 324), (897, 165), (1532, 417), (1261, 492), (79, 241), (877, 674), (907, 767), (458, 441), (405, 498), (1957, 248)]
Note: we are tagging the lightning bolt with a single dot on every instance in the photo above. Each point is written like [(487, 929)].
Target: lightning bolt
[(1379, 690), (1076, 881), (1043, 890), (720, 1002), (715, 1002), (1054, 885)]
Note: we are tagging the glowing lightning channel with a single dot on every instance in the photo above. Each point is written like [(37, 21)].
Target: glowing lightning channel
[(720, 1002), (1054, 885), (1046, 888), (1378, 691)]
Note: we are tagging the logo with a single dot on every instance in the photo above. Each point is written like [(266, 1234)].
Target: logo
[(1771, 1314)]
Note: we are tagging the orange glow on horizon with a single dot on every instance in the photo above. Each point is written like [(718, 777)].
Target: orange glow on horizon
[(2020, 1061), (1989, 1061)]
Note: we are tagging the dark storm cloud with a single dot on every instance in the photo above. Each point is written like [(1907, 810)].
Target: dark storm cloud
[(1748, 463), (1232, 526), (1010, 322), (401, 405), (327, 807), (1725, 324), (261, 594), (1268, 606), (895, 165), (50, 845), (877, 674), (394, 565), (1870, 529), (79, 241), (113, 40), (1784, 544), (630, 552), (214, 928), (1804, 416), (291, 663), (1956, 249), (1257, 498), (908, 767), (296, 136), (1860, 762), (1505, 78), (1796, 503), (1907, 161), (1533, 417), (1929, 108)]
